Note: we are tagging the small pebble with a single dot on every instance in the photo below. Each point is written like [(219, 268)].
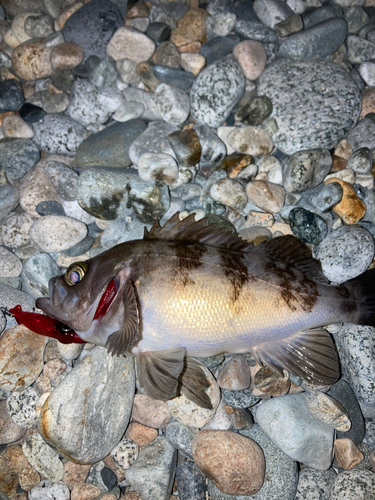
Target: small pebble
[(250, 140), (21, 407), (11, 96), (314, 484), (307, 226), (9, 431), (328, 410), (158, 166), (191, 483), (266, 195), (347, 454), (229, 192), (353, 485), (125, 453), (235, 375), (84, 491), (14, 127), (252, 58), (48, 490), (268, 382), (75, 473), (181, 437), (141, 434), (150, 412), (350, 209), (55, 233), (129, 43)]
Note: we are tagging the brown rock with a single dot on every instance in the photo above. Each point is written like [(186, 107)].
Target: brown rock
[(75, 474), (144, 71), (234, 463), (130, 43), (186, 145), (7, 113), (12, 463), (328, 410), (351, 209), (21, 358), (9, 431), (241, 417), (150, 412), (140, 9), (235, 375), (64, 16), (190, 48), (52, 350), (192, 62), (338, 164), (43, 384), (234, 163), (347, 454), (261, 219), (190, 28), (28, 90), (67, 55), (167, 54), (250, 140), (266, 195), (32, 60), (141, 434), (343, 149), (368, 102), (84, 491), (108, 496), (252, 58), (271, 383), (29, 478)]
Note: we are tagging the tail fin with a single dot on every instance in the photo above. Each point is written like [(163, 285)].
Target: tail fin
[(364, 288)]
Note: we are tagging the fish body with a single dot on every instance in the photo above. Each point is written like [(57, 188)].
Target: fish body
[(189, 290)]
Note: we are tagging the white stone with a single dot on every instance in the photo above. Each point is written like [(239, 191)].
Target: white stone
[(346, 175), (55, 233), (367, 72), (158, 166), (10, 264), (271, 12), (85, 106), (15, 229), (125, 453), (297, 6), (251, 140), (47, 490), (223, 133), (272, 166), (14, 127), (110, 98), (129, 43), (43, 458), (18, 26), (229, 192), (128, 111), (173, 103), (73, 210)]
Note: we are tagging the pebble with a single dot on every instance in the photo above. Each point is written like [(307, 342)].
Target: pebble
[(152, 474), (15, 228), (353, 485), (150, 412), (58, 133), (63, 178), (338, 107), (318, 41), (220, 24), (193, 63), (229, 192), (235, 375), (21, 354), (292, 24), (32, 60), (16, 128), (10, 264), (347, 454), (252, 58), (125, 453), (9, 197), (186, 146), (314, 484), (67, 55), (177, 78), (240, 399), (11, 96), (110, 147), (84, 491), (75, 473), (191, 484), (304, 438), (54, 233), (148, 100), (173, 103), (351, 208), (328, 410), (21, 407), (327, 196), (190, 28), (306, 169), (239, 471), (153, 140), (9, 431), (18, 156), (266, 195), (141, 434), (48, 490), (43, 458), (85, 105), (218, 47), (104, 75), (360, 161), (307, 226), (268, 382), (213, 148), (345, 253), (255, 112), (362, 135), (215, 92), (256, 31), (181, 437), (38, 26), (36, 274), (359, 50), (250, 140), (86, 28), (129, 43)]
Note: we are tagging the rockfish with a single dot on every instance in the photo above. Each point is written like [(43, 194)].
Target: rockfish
[(188, 289)]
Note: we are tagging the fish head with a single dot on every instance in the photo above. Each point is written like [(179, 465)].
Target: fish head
[(85, 291)]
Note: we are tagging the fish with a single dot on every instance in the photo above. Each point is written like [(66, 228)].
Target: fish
[(191, 290)]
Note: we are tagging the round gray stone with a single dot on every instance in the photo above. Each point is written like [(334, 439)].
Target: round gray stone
[(306, 94), (353, 485), (215, 92), (18, 156), (9, 196), (314, 484), (36, 274)]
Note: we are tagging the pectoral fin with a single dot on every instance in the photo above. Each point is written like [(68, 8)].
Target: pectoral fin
[(119, 342), (158, 372), (194, 382), (310, 355)]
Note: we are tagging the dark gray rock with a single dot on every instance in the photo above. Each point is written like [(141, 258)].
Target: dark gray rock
[(31, 113), (319, 41), (9, 196), (255, 112), (158, 32), (240, 399), (18, 156), (307, 226), (81, 247), (357, 18), (181, 437), (11, 95), (327, 196), (110, 146), (92, 26), (59, 134), (320, 92), (359, 49), (49, 208), (316, 16), (191, 483), (363, 135), (254, 30), (175, 77), (104, 74), (63, 178), (218, 47)]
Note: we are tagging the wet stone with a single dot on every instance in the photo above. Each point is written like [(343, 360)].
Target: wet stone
[(31, 113), (191, 483), (327, 196), (213, 148), (307, 226), (158, 31), (11, 96), (347, 454), (240, 399), (58, 133), (255, 112), (186, 145), (218, 47), (181, 437), (175, 77), (306, 169), (314, 484)]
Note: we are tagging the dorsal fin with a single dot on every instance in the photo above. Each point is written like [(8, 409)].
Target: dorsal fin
[(296, 253), (191, 231)]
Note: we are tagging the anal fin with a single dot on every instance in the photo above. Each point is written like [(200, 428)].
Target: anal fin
[(158, 372), (193, 383), (310, 355)]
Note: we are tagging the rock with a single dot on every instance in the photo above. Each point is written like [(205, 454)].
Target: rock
[(125, 453), (38, 26), (266, 195), (29, 478), (43, 458), (314, 484), (256, 31), (85, 491), (9, 431), (153, 140), (93, 438), (240, 399), (190, 28), (360, 161), (328, 410), (12, 463), (327, 196), (47, 490), (191, 484), (220, 24), (63, 178), (85, 105), (194, 63), (21, 357), (218, 47), (158, 166), (110, 147), (345, 253), (306, 169), (59, 134), (148, 100), (54, 233), (351, 208), (50, 103), (67, 55), (150, 412), (15, 228), (347, 454), (268, 382), (210, 106), (152, 474), (353, 485), (304, 438), (292, 24), (307, 226), (359, 49), (271, 12), (141, 434), (255, 112), (186, 146), (36, 274), (338, 106), (11, 96), (15, 128), (229, 192), (318, 41), (250, 140), (92, 27), (235, 375), (252, 58), (31, 60), (238, 471), (18, 156), (173, 103), (158, 32), (21, 407), (10, 264), (75, 473), (213, 148), (9, 196), (181, 437), (362, 135), (129, 43), (128, 111)]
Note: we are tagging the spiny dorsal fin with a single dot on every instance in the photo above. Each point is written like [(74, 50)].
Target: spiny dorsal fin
[(191, 231), (296, 253)]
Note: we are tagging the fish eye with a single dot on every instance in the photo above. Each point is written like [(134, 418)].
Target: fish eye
[(75, 273)]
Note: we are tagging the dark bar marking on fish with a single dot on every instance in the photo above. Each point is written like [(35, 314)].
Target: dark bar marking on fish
[(236, 272), (189, 258), (347, 305)]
